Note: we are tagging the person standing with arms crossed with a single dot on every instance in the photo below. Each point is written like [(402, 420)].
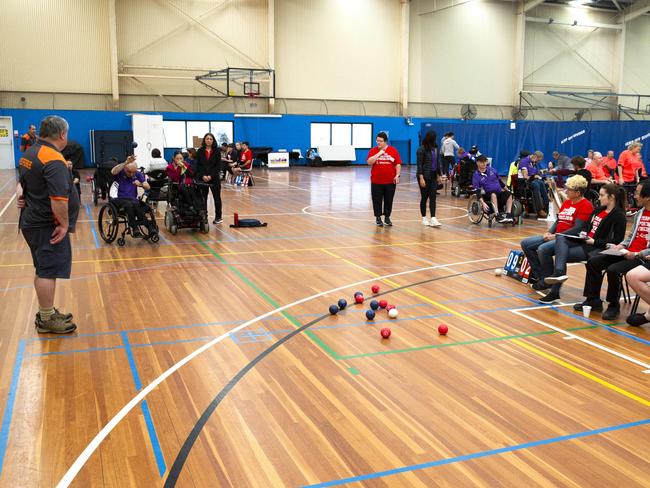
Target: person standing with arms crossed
[(49, 206), (208, 159), (28, 139), (384, 176)]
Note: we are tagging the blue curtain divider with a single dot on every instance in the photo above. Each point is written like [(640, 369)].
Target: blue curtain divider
[(495, 138)]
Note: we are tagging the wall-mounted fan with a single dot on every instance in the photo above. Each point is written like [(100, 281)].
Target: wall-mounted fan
[(468, 112), (519, 113)]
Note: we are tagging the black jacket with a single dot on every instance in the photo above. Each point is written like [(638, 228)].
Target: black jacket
[(611, 229), (208, 167), (424, 159)]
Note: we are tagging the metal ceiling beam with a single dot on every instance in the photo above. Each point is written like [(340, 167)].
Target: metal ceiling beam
[(575, 23), (531, 4), (635, 10), (617, 5)]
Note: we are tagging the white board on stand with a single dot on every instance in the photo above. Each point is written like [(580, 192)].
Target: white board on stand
[(6, 143), (148, 133)]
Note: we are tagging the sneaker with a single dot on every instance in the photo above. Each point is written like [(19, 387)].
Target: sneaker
[(217, 221), (542, 214), (637, 319), (54, 325), (612, 312), (379, 222), (550, 298), (555, 278), (540, 286), (435, 222), (65, 316), (387, 222), (425, 221), (595, 304)]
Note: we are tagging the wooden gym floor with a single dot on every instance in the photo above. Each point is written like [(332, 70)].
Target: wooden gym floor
[(283, 394)]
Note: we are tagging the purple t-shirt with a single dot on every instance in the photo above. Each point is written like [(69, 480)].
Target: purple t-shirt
[(125, 187), (531, 167), (488, 181)]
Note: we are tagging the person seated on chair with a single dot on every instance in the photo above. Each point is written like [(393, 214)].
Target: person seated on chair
[(562, 164), (489, 187), (157, 161), (634, 249), (529, 170), (579, 166), (638, 279), (607, 226), (610, 165), (124, 192), (229, 163), (245, 162), (598, 174), (572, 218)]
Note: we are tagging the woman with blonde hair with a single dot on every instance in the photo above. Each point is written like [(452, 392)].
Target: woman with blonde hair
[(572, 219)]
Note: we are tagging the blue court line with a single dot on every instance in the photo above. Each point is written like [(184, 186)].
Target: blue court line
[(11, 398), (160, 460), (481, 454), (92, 226)]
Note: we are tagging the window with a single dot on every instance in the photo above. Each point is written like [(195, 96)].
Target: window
[(181, 133), (341, 134)]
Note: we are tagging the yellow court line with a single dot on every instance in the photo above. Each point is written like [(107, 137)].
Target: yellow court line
[(498, 333), (268, 251)]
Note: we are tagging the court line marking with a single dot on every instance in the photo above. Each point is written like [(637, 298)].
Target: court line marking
[(81, 460), (480, 454), (11, 399), (517, 342), (582, 339), (4, 209), (369, 219)]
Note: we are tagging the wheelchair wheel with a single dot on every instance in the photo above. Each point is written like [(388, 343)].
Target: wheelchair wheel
[(474, 210), (154, 238), (121, 241), (169, 218), (455, 189), (108, 223), (149, 228), (205, 227), (94, 187), (173, 229)]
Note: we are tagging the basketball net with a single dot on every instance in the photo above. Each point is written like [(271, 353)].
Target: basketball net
[(252, 100)]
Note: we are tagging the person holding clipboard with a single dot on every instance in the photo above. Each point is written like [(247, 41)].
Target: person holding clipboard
[(606, 227), (618, 259), (573, 217)]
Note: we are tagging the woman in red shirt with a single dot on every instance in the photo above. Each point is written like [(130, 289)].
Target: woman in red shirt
[(627, 164), (384, 176)]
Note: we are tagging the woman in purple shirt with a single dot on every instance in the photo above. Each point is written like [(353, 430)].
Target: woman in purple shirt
[(488, 185)]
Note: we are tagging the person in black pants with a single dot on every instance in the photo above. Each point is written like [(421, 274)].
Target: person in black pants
[(208, 159), (384, 175), (632, 250), (428, 172)]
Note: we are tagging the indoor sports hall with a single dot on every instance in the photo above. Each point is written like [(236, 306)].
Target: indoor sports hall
[(322, 288)]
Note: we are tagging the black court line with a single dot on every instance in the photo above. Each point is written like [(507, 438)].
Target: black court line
[(184, 452)]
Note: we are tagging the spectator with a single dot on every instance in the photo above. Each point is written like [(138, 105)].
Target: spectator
[(578, 163), (157, 161), (49, 207), (449, 149), (633, 250), (598, 174), (489, 187), (627, 164), (528, 170), (191, 158), (638, 279), (562, 164), (610, 164), (209, 171), (607, 226), (124, 192), (572, 218), (28, 139), (384, 176), (428, 174)]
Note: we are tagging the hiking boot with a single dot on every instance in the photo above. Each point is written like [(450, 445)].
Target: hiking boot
[(67, 317), (54, 325)]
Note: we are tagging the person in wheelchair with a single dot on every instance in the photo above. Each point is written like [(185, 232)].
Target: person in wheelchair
[(489, 187), (599, 175), (467, 167), (180, 172), (529, 170), (124, 193)]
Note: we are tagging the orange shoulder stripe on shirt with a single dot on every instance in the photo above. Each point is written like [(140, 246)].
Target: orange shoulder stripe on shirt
[(47, 155), (63, 199)]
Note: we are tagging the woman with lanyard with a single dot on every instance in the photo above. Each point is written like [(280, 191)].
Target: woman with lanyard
[(428, 173), (208, 159), (384, 175)]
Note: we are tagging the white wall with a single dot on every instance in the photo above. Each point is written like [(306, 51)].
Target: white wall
[(636, 76), (337, 49)]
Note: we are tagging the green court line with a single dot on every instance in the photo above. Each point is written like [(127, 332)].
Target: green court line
[(270, 300), (354, 371), (464, 343)]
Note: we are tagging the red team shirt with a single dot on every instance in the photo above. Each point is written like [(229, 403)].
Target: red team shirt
[(596, 223), (570, 212), (383, 171), (640, 241)]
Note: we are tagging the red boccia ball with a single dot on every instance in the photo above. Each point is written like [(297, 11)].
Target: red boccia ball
[(383, 303), (389, 307), (443, 329), (375, 288), (385, 333), (358, 298)]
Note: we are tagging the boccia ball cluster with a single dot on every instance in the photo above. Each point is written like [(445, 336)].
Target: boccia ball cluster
[(375, 305)]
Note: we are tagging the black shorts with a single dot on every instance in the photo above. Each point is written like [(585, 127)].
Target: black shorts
[(50, 260), (502, 198)]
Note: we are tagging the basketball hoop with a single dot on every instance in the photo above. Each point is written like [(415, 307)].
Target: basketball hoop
[(252, 99)]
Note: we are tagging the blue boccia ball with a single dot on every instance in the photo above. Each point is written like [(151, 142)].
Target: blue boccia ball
[(370, 314), (334, 309), (358, 293), (374, 304), (343, 303)]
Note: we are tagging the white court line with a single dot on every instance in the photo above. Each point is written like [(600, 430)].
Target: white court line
[(281, 183), (108, 428), (582, 339), (4, 209), (317, 214)]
